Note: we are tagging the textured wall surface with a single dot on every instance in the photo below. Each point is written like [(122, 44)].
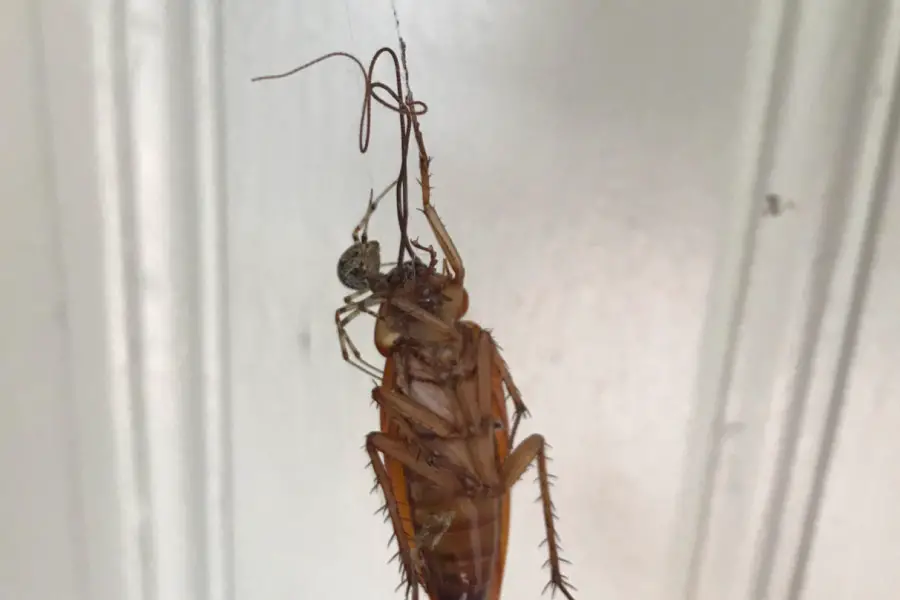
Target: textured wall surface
[(859, 526), (36, 505), (581, 160)]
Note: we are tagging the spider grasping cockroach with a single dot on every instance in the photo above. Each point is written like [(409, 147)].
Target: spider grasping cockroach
[(444, 455)]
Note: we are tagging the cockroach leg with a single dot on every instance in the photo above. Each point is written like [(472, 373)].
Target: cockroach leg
[(489, 358), (414, 412), (483, 374), (446, 243), (405, 549), (437, 227), (403, 426), (423, 315), (520, 411), (432, 255), (407, 413), (399, 451), (476, 407), (531, 448)]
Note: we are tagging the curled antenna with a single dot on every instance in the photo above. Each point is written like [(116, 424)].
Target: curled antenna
[(407, 111)]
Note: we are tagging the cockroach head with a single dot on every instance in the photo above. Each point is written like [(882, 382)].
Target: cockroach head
[(409, 270), (358, 264)]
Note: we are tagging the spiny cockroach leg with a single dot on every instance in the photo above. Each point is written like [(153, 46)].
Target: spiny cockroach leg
[(378, 442), (518, 461), (404, 549), (437, 227), (446, 244), (520, 411)]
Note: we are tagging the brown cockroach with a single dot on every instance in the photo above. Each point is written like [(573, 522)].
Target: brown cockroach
[(445, 454), (449, 460)]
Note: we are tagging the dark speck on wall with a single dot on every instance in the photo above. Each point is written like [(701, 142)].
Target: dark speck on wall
[(776, 205), (304, 340)]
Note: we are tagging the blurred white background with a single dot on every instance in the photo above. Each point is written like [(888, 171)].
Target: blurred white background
[(176, 421)]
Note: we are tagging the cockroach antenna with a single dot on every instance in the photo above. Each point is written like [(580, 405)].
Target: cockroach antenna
[(407, 110), (403, 216), (402, 44)]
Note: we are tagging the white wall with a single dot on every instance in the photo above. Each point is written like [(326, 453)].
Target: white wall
[(60, 507), (34, 449), (787, 336), (175, 418), (860, 524)]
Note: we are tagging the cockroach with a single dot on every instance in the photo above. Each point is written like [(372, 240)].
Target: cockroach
[(449, 454), (445, 455)]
